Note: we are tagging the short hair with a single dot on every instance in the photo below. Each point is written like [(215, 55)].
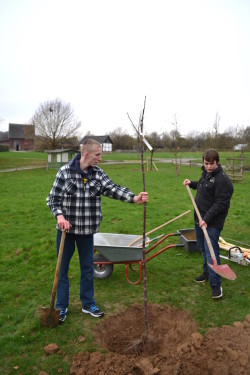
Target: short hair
[(211, 155), (89, 145)]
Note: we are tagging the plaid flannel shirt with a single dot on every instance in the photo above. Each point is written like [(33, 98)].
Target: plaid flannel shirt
[(79, 201)]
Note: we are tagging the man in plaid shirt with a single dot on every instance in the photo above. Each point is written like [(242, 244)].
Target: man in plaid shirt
[(75, 202)]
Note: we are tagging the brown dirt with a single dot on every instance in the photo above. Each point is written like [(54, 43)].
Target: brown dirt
[(173, 347)]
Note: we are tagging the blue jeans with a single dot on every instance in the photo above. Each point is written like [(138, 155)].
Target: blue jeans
[(214, 234), (85, 246)]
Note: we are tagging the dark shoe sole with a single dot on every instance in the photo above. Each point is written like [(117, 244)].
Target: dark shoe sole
[(62, 320), (220, 296), (200, 281)]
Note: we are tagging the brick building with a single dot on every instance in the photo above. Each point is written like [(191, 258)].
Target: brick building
[(19, 137)]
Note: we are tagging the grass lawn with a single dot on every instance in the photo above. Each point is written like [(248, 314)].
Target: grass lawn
[(28, 261), (10, 160)]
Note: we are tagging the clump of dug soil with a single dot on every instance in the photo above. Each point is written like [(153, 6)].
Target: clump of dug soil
[(174, 346)]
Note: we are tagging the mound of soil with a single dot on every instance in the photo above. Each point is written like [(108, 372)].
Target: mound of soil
[(173, 346)]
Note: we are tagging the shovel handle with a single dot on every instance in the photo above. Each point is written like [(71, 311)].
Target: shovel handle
[(157, 228), (210, 247), (58, 266)]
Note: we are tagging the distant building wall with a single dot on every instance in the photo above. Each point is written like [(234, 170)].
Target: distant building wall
[(58, 158), (19, 137), (107, 147), (21, 144), (104, 140)]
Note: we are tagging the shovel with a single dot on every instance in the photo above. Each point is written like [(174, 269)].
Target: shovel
[(50, 316), (223, 270)]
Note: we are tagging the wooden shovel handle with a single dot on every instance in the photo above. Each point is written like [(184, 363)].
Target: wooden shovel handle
[(161, 226), (210, 247), (58, 266)]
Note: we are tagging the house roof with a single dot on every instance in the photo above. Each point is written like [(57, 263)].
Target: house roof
[(21, 131), (4, 136), (99, 138)]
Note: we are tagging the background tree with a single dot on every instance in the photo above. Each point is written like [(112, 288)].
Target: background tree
[(121, 139), (247, 137), (155, 141), (55, 123), (175, 136), (166, 141), (216, 129)]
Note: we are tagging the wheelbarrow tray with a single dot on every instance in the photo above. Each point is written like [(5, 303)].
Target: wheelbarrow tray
[(188, 239), (114, 247)]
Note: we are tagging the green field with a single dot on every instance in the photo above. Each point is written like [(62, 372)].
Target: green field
[(9, 160), (28, 261), (12, 160)]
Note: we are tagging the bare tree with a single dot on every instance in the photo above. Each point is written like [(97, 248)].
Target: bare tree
[(55, 122), (121, 139), (216, 128), (137, 134), (154, 140), (175, 134), (247, 137), (166, 140)]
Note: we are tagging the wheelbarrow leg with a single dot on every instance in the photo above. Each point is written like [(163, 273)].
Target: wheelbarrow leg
[(140, 274)]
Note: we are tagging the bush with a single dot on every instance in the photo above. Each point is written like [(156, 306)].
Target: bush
[(4, 148)]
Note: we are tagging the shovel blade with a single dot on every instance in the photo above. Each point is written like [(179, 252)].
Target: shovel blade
[(223, 270), (49, 317)]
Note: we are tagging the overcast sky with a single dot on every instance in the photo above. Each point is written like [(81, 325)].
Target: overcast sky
[(190, 58)]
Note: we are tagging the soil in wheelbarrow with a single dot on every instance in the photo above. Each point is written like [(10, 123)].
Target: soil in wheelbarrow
[(190, 235), (178, 348)]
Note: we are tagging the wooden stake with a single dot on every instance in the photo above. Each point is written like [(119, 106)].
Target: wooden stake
[(155, 166)]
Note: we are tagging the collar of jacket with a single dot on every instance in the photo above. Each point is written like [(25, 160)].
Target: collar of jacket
[(74, 165), (214, 173)]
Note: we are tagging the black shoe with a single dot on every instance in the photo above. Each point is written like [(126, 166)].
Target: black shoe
[(94, 311), (217, 292), (62, 315), (202, 278)]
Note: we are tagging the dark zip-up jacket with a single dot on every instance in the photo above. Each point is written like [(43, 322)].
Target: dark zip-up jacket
[(214, 192), (77, 196)]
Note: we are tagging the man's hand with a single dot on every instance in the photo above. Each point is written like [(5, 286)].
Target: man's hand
[(62, 223), (186, 182), (202, 223), (141, 198)]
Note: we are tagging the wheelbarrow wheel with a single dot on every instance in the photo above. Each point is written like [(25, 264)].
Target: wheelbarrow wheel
[(102, 271)]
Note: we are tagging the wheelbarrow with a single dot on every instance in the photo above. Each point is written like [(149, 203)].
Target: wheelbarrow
[(113, 249)]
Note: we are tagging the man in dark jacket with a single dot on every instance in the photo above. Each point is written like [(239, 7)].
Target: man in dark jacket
[(75, 202), (214, 192)]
